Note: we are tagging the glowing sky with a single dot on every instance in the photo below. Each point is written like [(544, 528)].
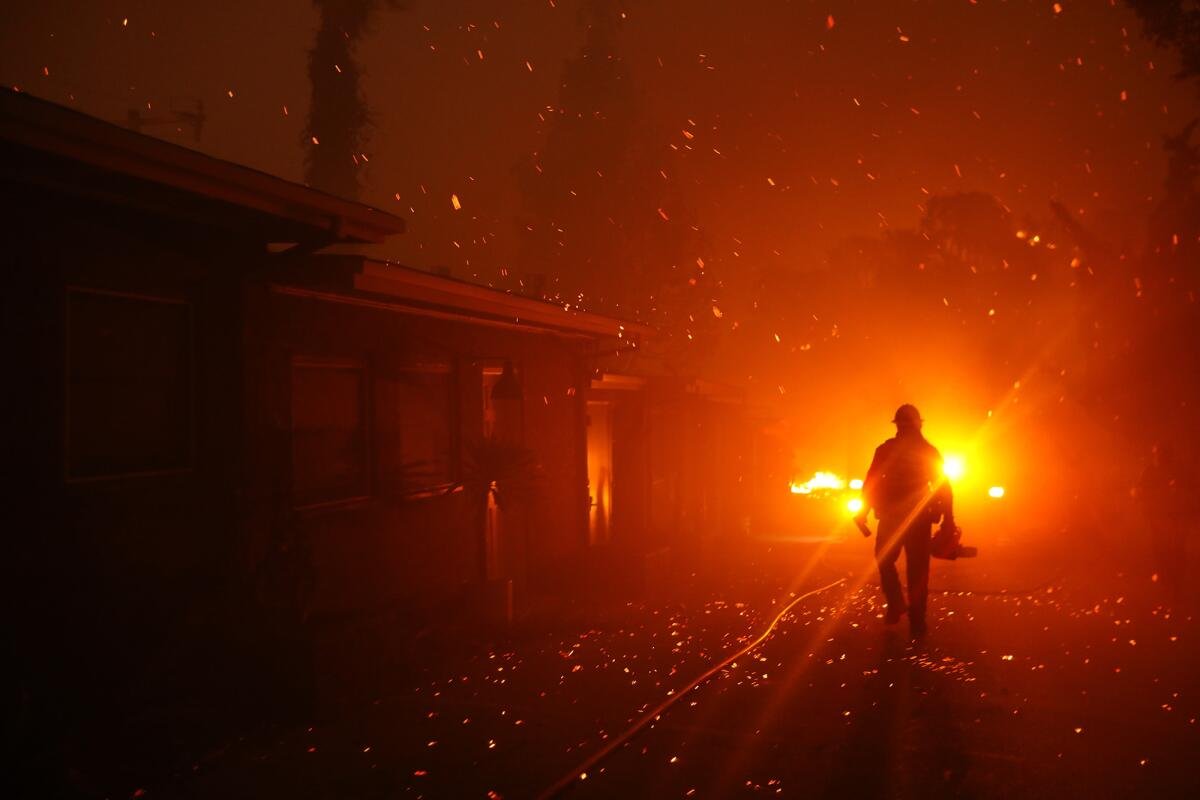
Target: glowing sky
[(804, 133)]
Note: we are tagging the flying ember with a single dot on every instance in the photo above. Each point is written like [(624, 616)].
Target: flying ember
[(593, 398)]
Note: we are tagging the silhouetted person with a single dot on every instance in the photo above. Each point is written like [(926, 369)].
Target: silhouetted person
[(1168, 493), (905, 488)]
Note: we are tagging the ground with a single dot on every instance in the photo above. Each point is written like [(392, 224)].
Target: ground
[(1041, 675)]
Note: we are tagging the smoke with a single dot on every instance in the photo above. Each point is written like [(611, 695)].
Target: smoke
[(604, 215)]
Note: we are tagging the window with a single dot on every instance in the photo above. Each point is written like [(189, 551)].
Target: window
[(329, 432), (491, 375), (128, 385), (427, 410)]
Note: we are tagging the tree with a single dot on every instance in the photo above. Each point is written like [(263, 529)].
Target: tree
[(1175, 24), (338, 115), (573, 227), (599, 217)]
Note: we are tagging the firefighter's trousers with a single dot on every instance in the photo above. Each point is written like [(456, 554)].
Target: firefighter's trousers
[(914, 539)]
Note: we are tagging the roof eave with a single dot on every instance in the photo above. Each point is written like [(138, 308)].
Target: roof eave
[(43, 126), (412, 285)]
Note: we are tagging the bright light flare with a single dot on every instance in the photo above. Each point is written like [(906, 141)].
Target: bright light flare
[(954, 467), (854, 505), (856, 484), (821, 480), (996, 492)]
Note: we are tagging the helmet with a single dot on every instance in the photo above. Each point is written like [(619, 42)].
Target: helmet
[(907, 414)]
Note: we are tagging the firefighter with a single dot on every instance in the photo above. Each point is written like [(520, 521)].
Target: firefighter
[(905, 488)]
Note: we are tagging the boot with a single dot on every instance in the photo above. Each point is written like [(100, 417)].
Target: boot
[(893, 614)]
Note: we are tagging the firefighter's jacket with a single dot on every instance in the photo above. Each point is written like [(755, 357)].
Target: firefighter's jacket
[(905, 478)]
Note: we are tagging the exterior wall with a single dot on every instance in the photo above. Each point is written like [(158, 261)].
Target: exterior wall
[(617, 424), (402, 541), (699, 473), (119, 574), (681, 477)]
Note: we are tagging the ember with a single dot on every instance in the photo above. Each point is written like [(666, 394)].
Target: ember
[(465, 399)]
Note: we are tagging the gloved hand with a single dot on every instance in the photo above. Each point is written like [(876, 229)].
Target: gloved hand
[(861, 521)]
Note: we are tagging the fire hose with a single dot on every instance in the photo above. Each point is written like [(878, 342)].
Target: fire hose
[(580, 772)]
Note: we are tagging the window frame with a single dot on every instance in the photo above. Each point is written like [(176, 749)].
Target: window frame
[(451, 369), (366, 407), (189, 466)]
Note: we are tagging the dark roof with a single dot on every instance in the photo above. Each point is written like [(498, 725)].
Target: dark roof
[(122, 166), (423, 288), (359, 279), (55, 148)]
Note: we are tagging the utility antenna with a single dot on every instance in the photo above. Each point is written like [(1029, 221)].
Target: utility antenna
[(188, 113)]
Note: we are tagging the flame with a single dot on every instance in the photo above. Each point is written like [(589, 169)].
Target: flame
[(854, 505), (820, 480), (996, 492)]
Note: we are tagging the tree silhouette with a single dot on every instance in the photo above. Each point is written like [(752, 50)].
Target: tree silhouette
[(338, 114), (1174, 231), (598, 215), (569, 229), (971, 226), (1175, 24)]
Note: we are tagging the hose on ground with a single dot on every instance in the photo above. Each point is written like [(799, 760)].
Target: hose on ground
[(580, 771)]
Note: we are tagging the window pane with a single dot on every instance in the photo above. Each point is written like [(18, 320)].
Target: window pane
[(491, 375), (329, 442), (128, 385), (426, 414)]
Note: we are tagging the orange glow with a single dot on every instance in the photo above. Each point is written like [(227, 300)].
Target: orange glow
[(856, 484), (600, 470), (996, 492), (854, 505)]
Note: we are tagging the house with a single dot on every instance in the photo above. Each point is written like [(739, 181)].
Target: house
[(216, 423), (226, 447), (373, 386)]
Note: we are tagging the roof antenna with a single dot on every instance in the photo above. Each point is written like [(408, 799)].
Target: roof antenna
[(193, 117)]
